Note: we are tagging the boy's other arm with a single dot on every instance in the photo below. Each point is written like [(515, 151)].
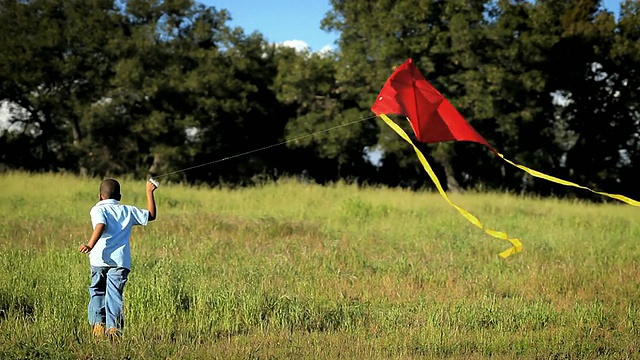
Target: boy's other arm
[(151, 201), (97, 232)]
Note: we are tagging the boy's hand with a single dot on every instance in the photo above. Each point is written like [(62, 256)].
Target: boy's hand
[(151, 187), (97, 232)]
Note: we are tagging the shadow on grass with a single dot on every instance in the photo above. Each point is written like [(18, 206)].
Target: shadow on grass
[(16, 306)]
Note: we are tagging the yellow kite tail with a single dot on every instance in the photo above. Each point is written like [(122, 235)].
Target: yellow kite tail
[(556, 180), (517, 245)]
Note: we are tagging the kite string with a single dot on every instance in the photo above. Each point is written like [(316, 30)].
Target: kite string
[(266, 147)]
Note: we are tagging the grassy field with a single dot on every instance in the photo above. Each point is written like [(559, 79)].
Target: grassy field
[(294, 270)]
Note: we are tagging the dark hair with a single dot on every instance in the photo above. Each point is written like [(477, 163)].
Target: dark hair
[(110, 189)]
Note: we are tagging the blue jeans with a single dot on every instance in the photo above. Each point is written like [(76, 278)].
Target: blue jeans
[(106, 304)]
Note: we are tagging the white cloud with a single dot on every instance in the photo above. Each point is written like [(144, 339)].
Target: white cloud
[(303, 46), (4, 115), (299, 45), (326, 49), (8, 110)]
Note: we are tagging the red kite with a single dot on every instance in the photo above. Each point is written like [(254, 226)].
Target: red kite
[(433, 119)]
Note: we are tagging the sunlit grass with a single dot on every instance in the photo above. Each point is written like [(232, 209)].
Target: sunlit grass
[(297, 270)]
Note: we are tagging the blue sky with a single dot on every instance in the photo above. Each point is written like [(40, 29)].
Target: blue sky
[(295, 22), (280, 21)]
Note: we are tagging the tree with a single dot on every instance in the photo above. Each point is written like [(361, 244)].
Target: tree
[(241, 112), (527, 75), (594, 68), (307, 83), (147, 118), (53, 65), (445, 39)]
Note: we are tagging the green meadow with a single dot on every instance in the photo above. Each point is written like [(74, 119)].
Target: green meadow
[(294, 270)]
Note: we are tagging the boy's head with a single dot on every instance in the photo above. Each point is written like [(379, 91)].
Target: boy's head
[(110, 189)]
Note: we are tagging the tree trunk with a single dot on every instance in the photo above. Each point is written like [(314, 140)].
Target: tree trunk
[(46, 128), (77, 141), (452, 183), (155, 166)]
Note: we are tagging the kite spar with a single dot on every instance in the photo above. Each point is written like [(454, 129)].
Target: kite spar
[(433, 119)]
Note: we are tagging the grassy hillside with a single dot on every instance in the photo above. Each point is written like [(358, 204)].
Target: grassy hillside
[(293, 270)]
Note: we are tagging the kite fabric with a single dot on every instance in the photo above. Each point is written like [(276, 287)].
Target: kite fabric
[(433, 119)]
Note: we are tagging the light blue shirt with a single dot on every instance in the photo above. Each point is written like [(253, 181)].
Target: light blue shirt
[(113, 249)]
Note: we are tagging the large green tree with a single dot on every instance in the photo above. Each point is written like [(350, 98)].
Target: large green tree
[(596, 70), (447, 40), (167, 76), (149, 86), (548, 83), (137, 87), (306, 82), (53, 65)]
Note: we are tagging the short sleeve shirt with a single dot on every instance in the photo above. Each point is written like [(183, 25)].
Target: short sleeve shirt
[(113, 248)]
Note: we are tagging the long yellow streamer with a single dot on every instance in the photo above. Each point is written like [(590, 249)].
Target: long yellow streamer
[(554, 179), (517, 245)]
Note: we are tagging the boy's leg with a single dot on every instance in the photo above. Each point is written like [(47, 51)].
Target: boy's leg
[(116, 279), (97, 290)]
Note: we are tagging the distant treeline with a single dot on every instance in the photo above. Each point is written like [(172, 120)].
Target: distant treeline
[(104, 87)]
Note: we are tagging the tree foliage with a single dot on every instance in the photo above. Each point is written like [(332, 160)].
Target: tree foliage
[(547, 82), (150, 87)]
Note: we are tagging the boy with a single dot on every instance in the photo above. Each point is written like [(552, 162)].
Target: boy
[(110, 255)]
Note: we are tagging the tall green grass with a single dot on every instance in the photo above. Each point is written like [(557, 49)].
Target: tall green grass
[(292, 270)]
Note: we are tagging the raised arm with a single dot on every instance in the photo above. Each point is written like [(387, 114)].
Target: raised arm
[(151, 201)]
